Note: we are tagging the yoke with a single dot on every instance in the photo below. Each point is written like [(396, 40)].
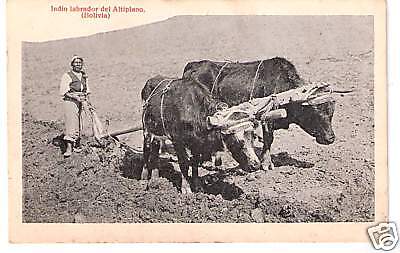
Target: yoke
[(267, 108)]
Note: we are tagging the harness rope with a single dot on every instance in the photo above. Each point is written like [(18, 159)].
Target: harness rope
[(164, 91), (152, 94), (253, 83), (254, 80), (146, 103), (216, 78)]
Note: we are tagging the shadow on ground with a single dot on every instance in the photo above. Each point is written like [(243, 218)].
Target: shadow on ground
[(132, 163), (284, 159), (215, 183)]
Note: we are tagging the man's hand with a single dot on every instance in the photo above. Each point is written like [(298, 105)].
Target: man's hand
[(78, 96)]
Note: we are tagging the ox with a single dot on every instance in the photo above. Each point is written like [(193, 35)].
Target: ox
[(179, 109), (235, 83)]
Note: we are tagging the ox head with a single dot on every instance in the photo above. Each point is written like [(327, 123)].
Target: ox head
[(315, 115), (315, 119), (237, 129)]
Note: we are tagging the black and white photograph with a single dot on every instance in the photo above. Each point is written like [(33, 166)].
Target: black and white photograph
[(203, 119)]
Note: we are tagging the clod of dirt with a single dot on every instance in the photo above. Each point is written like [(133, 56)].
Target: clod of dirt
[(160, 184), (79, 218), (257, 215), (250, 177)]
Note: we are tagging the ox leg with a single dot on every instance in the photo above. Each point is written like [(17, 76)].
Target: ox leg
[(218, 159), (268, 137), (155, 159), (184, 168), (195, 173), (146, 157)]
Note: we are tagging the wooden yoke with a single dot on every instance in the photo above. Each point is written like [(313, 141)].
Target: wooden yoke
[(263, 108)]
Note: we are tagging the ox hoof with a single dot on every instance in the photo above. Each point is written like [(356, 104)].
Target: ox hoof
[(155, 174), (144, 175), (185, 189), (271, 166), (218, 160), (241, 172), (268, 166), (197, 185)]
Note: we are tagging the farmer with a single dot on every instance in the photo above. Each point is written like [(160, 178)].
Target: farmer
[(74, 90)]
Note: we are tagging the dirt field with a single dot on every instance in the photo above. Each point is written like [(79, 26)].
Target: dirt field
[(311, 182)]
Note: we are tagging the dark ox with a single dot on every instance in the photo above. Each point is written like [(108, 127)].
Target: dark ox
[(179, 109), (235, 83)]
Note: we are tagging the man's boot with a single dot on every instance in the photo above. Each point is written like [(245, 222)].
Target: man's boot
[(68, 151)]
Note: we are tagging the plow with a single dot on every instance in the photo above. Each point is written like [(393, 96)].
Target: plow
[(262, 109)]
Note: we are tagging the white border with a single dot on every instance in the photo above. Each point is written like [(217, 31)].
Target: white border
[(394, 106)]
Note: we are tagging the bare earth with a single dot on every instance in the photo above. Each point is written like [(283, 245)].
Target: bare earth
[(311, 182)]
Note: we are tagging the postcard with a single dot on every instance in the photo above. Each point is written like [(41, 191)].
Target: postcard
[(197, 121)]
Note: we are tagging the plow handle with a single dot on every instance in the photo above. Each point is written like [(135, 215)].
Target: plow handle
[(120, 132)]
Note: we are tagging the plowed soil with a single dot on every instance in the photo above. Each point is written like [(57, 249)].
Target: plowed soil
[(311, 182)]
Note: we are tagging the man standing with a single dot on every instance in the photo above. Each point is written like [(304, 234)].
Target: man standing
[(74, 90)]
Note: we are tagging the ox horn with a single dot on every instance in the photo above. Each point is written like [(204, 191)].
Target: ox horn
[(342, 91), (335, 90)]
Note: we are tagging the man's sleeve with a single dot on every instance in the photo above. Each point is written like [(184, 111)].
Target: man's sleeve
[(64, 84)]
